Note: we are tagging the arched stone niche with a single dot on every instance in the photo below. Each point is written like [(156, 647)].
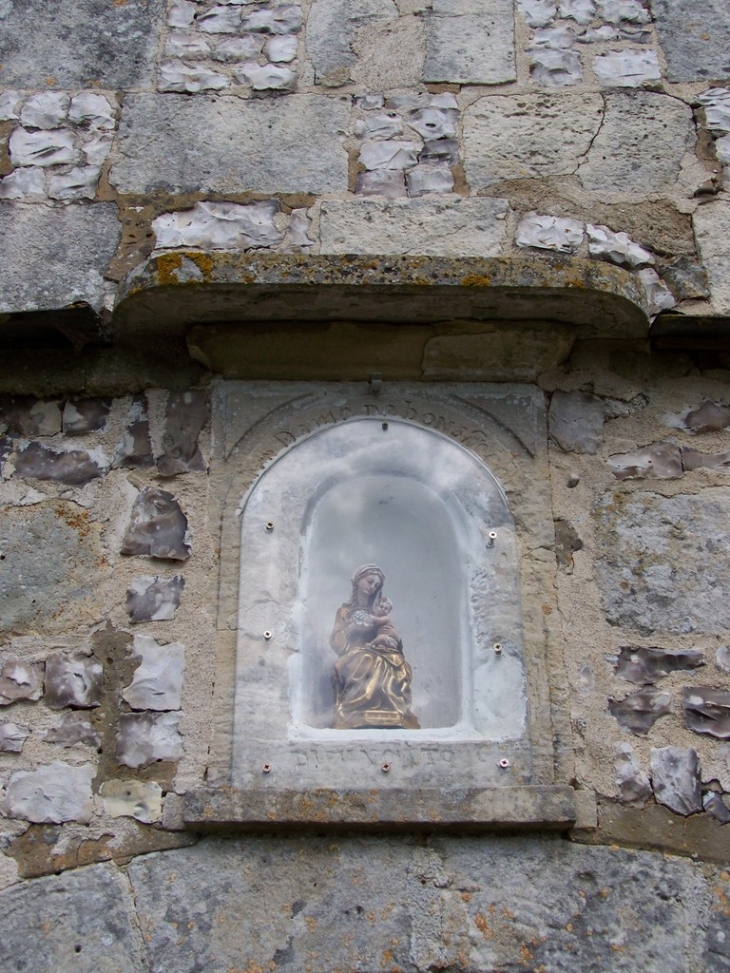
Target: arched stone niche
[(445, 489)]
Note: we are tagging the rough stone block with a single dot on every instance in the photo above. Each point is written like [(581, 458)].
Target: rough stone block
[(513, 137), (135, 449), (175, 144), (712, 230), (470, 42), (12, 737), (185, 416), (639, 711), (132, 799), (648, 582), (75, 727), (82, 921), (50, 258), (632, 783), (20, 680), (695, 38), (555, 68), (51, 794), (85, 415), (154, 599), (576, 421), (675, 775), (640, 146), (331, 29), (73, 466), (157, 527), (145, 738), (468, 227), (157, 680), (660, 460), (75, 681), (550, 233)]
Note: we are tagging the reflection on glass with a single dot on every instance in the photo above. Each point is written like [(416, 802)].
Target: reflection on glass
[(371, 678)]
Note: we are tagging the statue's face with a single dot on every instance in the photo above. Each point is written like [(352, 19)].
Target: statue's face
[(369, 583)]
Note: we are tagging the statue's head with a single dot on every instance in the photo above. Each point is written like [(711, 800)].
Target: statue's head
[(369, 580)]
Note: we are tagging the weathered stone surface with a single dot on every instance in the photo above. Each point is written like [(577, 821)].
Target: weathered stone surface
[(20, 680), (470, 42), (549, 233), (74, 728), (474, 227), (88, 108), (379, 126), (714, 805), (157, 681), (661, 460), (716, 102), (85, 415), (626, 69), (55, 548), (555, 68), (394, 154), (632, 783), (581, 11), (144, 738), (331, 28), (132, 799), (83, 43), (707, 710), (135, 449), (51, 794), (50, 258), (74, 466), (712, 226), (264, 77), (75, 681), (79, 182), (177, 144), (537, 13), (576, 421), (47, 109), (429, 179), (693, 459), (185, 416), (12, 737), (646, 578), (658, 296), (434, 123), (179, 76), (708, 417), (513, 137), (28, 183), (616, 247), (388, 183), (43, 148), (26, 416), (157, 527), (475, 903), (675, 775), (645, 664), (82, 921), (695, 40), (640, 146), (154, 599), (440, 152), (639, 711)]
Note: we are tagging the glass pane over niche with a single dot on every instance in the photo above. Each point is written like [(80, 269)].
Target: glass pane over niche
[(379, 615)]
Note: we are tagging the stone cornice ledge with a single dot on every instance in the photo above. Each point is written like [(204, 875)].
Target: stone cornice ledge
[(173, 290), (537, 807)]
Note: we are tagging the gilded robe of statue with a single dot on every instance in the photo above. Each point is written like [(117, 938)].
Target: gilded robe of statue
[(371, 678)]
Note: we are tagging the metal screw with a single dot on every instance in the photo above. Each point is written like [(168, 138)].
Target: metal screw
[(267, 635), (385, 768), (492, 538), (504, 763), (269, 526), (385, 426), (266, 768), (497, 647)]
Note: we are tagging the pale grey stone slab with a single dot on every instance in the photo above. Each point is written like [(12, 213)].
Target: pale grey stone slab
[(132, 799), (712, 226), (85, 415), (79, 43), (576, 421), (79, 922), (639, 711), (648, 581), (644, 664), (12, 737), (526, 136), (675, 775), (154, 599), (331, 29), (157, 527), (661, 460), (221, 226), (50, 794), (173, 143), (50, 258), (75, 681), (640, 146), (75, 727), (20, 680), (695, 38), (314, 901), (632, 783), (470, 42), (707, 710), (74, 466), (145, 738), (157, 680), (186, 414), (472, 227)]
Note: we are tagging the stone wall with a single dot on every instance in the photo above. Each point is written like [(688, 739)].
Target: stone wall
[(570, 150)]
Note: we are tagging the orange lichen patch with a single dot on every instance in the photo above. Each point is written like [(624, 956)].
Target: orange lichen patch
[(466, 896), (507, 914), (311, 922), (476, 280), (203, 261), (525, 955), (483, 926), (722, 901), (577, 282), (386, 957), (547, 610), (167, 265), (569, 926)]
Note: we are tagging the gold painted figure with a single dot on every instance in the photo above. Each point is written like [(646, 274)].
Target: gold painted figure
[(371, 678)]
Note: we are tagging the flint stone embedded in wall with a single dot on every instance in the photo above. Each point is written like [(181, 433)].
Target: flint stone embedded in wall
[(695, 38), (74, 467), (75, 727), (626, 69), (145, 738), (714, 805), (175, 144), (549, 233), (53, 257), (661, 567), (56, 548), (12, 737), (661, 460), (89, 907), (25, 416), (632, 783), (470, 42), (639, 711), (537, 13), (85, 415), (154, 599), (132, 799), (20, 680), (157, 527), (185, 416), (157, 680), (388, 183), (536, 898), (709, 417), (472, 227), (332, 26), (135, 449), (675, 775), (525, 136), (707, 710), (75, 681), (51, 794), (576, 421), (692, 459), (640, 146), (645, 664), (221, 226)]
